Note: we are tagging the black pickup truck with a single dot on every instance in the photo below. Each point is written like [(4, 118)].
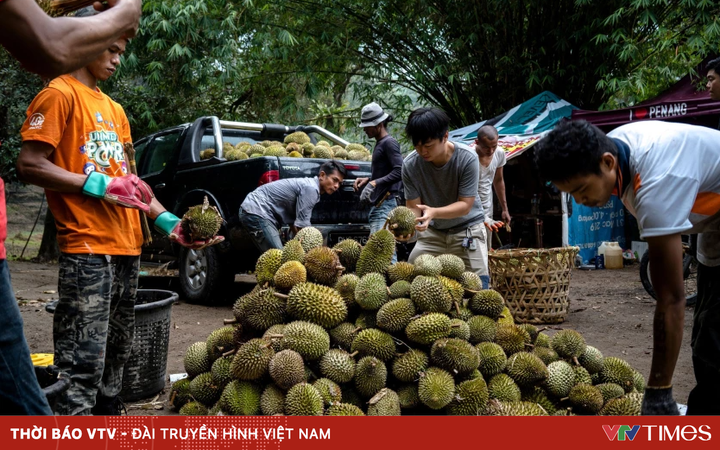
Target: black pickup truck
[(169, 161)]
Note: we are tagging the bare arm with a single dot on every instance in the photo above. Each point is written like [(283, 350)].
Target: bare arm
[(499, 185), (666, 274), (55, 46), (34, 167)]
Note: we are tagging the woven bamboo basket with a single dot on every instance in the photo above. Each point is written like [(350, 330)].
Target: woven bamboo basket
[(534, 282)]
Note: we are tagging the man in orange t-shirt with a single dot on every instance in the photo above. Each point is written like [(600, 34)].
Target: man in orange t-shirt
[(73, 147)]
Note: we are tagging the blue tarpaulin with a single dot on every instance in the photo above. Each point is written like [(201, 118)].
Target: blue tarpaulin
[(590, 227)]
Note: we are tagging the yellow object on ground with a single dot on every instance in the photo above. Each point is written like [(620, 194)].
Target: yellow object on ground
[(42, 359)]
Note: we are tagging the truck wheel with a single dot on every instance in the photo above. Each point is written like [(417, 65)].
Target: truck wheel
[(202, 278)]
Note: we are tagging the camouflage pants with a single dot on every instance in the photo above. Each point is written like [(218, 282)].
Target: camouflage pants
[(93, 326)]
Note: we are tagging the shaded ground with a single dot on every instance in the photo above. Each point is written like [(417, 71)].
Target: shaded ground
[(609, 307)]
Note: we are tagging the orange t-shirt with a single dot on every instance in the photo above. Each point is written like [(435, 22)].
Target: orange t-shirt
[(88, 130)]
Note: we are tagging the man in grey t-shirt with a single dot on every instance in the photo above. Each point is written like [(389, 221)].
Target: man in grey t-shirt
[(441, 187), (286, 202)]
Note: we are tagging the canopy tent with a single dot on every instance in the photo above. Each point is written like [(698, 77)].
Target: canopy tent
[(522, 126), (682, 102)]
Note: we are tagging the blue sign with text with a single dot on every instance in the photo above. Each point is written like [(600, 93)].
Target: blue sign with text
[(589, 227)]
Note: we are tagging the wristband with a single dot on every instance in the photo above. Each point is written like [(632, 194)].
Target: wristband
[(96, 184), (166, 222)]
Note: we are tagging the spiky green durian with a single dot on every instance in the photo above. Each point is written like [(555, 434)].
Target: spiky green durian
[(348, 251), (542, 340), (429, 295), (586, 398), (196, 359), (303, 399), (396, 314), (374, 342), (537, 395), (338, 365), (639, 382), (341, 154), (241, 398), (488, 303), (344, 409), (370, 376), (428, 328), (267, 264), (307, 149), (287, 368), (377, 254), (343, 335), (329, 391), (366, 319), (482, 329), (547, 355), (252, 359), (454, 290), (452, 267), (526, 369), (220, 341), (290, 274), (371, 292), (204, 389), (436, 388), (454, 355), (492, 359), (401, 221), (470, 398), (506, 317), (461, 312), (308, 339), (503, 388), (582, 375), (385, 403), (317, 304), (408, 366), (202, 222), (323, 266), (519, 408), (180, 394), (274, 335), (629, 405), (346, 286), (471, 282), (610, 391), (321, 152), (193, 409), (297, 137), (511, 338), (272, 401), (263, 310), (220, 371), (568, 344), (459, 329), (275, 150), (357, 147), (561, 378), (309, 238), (399, 289), (401, 271), (618, 371), (408, 396), (293, 251), (427, 265)]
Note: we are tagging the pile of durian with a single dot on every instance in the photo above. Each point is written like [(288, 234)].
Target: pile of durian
[(342, 331), (295, 145)]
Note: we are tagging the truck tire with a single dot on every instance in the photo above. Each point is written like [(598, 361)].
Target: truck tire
[(204, 279)]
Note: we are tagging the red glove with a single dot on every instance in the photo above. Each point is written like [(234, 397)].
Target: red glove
[(493, 225), (128, 191), (169, 224)]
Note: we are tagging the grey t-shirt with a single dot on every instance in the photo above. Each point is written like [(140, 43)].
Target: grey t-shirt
[(287, 201), (442, 186)]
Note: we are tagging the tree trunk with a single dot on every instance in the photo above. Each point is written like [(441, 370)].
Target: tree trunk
[(49, 250)]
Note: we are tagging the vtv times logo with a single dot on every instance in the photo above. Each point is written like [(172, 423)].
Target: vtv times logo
[(658, 432)]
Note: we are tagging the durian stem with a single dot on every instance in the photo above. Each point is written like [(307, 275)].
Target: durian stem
[(229, 352), (230, 321), (564, 399), (457, 307), (282, 296), (455, 325), (275, 336), (471, 291), (171, 401), (354, 354), (388, 290), (357, 330), (575, 360), (339, 268), (529, 346)]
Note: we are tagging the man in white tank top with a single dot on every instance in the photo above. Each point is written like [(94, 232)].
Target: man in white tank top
[(492, 161)]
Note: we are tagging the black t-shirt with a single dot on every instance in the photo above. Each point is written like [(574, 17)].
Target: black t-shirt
[(386, 169)]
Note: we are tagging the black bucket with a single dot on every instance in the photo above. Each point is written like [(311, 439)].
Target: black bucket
[(144, 373), (52, 382)]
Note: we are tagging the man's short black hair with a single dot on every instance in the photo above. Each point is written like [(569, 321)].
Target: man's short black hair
[(425, 124), (573, 148), (714, 64), (331, 166), (487, 131)]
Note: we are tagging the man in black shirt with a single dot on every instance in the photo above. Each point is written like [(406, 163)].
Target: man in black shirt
[(381, 189)]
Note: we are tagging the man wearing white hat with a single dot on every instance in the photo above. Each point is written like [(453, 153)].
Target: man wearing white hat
[(381, 189)]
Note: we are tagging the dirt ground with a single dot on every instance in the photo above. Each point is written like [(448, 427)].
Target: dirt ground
[(609, 307)]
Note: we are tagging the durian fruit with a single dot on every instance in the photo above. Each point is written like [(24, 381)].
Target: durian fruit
[(204, 389), (408, 396), (348, 251), (267, 264), (408, 366), (338, 366), (586, 398), (452, 267), (220, 371), (193, 409), (395, 315), (307, 149), (290, 274), (385, 403), (488, 303), (436, 388), (308, 339), (297, 137), (639, 382), (309, 238), (471, 398), (180, 394), (317, 304), (454, 355), (503, 388), (196, 359), (366, 319), (202, 222), (427, 265), (429, 295), (323, 144), (329, 391), (459, 329), (255, 149), (471, 282), (374, 342), (454, 290), (356, 147), (220, 341), (401, 271), (492, 359), (303, 399), (511, 338), (399, 289), (537, 395), (561, 378), (506, 317), (341, 154), (335, 148), (547, 355), (428, 328), (610, 391), (321, 152), (461, 312), (377, 254), (628, 405), (287, 368), (252, 359), (263, 310), (542, 340), (370, 376), (357, 155), (520, 409), (266, 143), (344, 409), (531, 330), (568, 344), (351, 397), (256, 155), (616, 370), (295, 154), (371, 292), (482, 329), (591, 359), (242, 146), (207, 153), (401, 222), (582, 375), (241, 398), (323, 266), (346, 286), (232, 154), (526, 369), (293, 251), (343, 335), (293, 147), (272, 401)]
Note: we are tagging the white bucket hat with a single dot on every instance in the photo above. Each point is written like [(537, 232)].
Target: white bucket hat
[(371, 115)]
